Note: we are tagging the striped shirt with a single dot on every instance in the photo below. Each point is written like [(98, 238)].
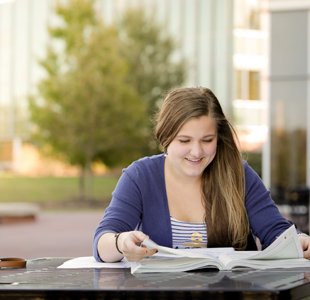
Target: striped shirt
[(187, 235)]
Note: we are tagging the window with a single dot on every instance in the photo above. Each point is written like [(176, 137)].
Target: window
[(254, 85), (247, 85)]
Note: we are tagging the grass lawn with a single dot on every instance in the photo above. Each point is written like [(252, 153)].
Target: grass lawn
[(52, 190)]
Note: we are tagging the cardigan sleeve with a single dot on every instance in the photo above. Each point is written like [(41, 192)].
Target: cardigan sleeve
[(124, 212), (266, 222), (139, 202)]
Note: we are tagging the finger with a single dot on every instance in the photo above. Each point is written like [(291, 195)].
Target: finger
[(129, 240), (136, 257), (307, 254), (152, 252), (136, 254), (130, 247), (139, 236), (146, 252)]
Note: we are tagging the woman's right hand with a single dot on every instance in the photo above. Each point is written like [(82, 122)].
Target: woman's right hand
[(127, 243)]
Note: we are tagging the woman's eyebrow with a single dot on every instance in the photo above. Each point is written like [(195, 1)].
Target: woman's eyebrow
[(187, 136)]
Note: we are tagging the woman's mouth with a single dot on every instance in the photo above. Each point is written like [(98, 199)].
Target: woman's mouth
[(194, 160)]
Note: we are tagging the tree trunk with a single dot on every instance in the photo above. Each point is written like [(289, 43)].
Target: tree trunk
[(81, 195), (89, 191)]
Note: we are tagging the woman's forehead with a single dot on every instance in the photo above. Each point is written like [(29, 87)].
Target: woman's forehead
[(205, 125)]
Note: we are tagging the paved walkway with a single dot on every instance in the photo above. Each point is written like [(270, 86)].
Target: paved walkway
[(53, 234)]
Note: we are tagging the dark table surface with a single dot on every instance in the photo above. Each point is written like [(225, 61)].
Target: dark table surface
[(41, 279)]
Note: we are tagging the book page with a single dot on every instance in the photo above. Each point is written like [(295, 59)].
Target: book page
[(173, 264), (243, 260), (286, 246), (212, 253), (90, 262)]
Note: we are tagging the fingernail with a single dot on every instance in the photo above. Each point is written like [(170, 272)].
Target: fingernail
[(156, 251), (146, 251)]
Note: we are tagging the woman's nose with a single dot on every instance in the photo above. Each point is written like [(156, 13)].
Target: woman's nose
[(196, 150)]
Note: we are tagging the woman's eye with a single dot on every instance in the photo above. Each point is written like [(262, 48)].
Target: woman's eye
[(208, 141), (184, 141)]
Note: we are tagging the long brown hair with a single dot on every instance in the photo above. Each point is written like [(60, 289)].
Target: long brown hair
[(223, 183)]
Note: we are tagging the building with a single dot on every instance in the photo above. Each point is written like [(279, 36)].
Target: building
[(287, 152)]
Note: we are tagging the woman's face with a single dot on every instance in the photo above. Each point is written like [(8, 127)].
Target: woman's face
[(194, 147)]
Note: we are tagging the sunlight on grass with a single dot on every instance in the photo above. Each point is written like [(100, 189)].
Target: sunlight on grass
[(51, 189)]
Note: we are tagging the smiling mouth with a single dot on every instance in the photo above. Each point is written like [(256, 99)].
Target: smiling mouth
[(194, 160)]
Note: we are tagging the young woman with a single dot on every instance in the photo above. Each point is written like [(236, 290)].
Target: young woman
[(199, 191)]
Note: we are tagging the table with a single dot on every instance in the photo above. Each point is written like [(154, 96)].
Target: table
[(42, 280)]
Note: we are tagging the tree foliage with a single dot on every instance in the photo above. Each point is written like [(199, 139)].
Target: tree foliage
[(102, 85), (84, 106), (150, 53)]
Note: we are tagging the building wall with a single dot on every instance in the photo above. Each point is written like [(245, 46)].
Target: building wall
[(289, 99)]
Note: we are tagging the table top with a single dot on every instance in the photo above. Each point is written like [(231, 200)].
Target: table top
[(42, 278)]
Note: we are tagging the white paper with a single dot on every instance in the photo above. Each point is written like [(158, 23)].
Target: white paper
[(286, 246), (211, 253), (91, 263)]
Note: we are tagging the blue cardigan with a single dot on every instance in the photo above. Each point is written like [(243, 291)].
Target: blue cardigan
[(140, 202)]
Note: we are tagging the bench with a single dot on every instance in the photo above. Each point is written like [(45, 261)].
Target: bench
[(18, 212)]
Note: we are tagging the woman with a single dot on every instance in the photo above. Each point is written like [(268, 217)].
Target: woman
[(200, 188)]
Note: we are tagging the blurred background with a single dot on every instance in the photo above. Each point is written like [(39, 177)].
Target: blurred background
[(81, 80)]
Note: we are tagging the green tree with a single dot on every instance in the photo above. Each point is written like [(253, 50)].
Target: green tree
[(84, 106), (150, 52)]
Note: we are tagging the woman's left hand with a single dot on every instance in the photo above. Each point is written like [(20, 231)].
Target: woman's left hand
[(305, 245)]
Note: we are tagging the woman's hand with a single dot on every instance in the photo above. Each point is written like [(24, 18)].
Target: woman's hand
[(305, 245), (127, 243)]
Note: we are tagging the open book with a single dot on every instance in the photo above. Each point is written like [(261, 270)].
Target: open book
[(284, 252)]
